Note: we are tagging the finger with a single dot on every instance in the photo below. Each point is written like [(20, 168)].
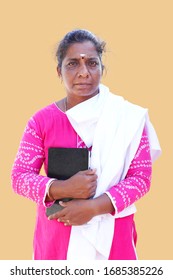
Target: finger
[(52, 217), (63, 220), (93, 186), (56, 215), (92, 194), (91, 171), (62, 203), (93, 177), (67, 223)]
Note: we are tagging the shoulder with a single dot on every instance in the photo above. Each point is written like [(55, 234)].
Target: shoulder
[(45, 111), (125, 107), (48, 113), (134, 109), (44, 117)]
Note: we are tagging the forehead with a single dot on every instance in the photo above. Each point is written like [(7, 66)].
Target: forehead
[(85, 49)]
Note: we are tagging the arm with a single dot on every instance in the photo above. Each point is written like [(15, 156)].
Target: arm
[(81, 185), (133, 187), (26, 180), (137, 181)]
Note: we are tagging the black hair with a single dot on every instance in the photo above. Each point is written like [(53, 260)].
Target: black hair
[(78, 36)]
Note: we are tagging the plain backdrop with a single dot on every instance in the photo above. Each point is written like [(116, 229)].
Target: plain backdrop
[(139, 66)]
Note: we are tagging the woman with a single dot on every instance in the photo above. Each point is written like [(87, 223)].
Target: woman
[(123, 144)]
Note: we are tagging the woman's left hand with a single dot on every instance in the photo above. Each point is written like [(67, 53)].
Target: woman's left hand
[(75, 212)]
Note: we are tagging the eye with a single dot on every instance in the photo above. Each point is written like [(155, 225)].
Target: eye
[(72, 64), (93, 63)]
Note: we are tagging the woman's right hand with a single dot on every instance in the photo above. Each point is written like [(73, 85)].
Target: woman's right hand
[(81, 185)]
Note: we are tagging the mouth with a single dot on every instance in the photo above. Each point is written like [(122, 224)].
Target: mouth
[(82, 84)]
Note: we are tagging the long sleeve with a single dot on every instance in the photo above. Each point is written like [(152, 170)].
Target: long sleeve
[(26, 180), (137, 181)]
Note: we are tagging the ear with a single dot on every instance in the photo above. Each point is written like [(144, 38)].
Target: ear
[(103, 68), (59, 72)]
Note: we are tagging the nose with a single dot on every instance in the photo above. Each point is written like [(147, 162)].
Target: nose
[(83, 71)]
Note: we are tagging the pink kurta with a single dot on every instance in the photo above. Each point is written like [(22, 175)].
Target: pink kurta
[(50, 127)]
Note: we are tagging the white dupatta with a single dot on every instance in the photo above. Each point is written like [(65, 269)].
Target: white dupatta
[(113, 127)]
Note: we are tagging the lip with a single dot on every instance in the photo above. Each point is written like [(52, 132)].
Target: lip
[(82, 84)]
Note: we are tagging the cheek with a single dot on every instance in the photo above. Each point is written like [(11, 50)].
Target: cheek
[(67, 77), (97, 75)]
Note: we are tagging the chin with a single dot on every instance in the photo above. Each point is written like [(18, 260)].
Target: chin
[(86, 93)]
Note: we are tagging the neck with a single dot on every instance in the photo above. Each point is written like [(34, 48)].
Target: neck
[(75, 100)]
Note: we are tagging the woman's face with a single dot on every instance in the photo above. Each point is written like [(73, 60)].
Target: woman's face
[(81, 70)]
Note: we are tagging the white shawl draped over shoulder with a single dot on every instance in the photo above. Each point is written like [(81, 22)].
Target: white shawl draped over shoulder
[(113, 127)]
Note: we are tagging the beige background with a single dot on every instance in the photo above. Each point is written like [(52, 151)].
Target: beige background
[(139, 64)]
